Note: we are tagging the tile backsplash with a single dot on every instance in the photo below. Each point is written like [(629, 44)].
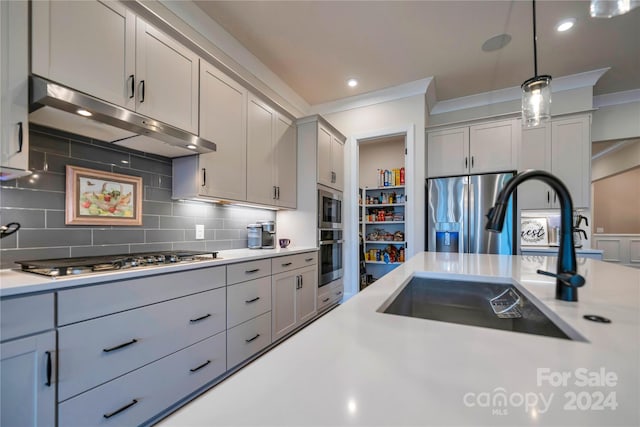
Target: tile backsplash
[(37, 203)]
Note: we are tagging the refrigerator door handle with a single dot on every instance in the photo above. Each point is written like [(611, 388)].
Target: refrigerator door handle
[(464, 239), (472, 218)]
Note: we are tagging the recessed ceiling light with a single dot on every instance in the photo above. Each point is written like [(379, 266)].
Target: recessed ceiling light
[(496, 42), (126, 162), (352, 82), (84, 112), (565, 25), (191, 147)]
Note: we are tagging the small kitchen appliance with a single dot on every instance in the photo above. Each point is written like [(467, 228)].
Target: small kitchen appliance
[(268, 234), (254, 236)]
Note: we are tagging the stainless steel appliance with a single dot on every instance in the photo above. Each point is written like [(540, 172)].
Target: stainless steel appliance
[(85, 265), (268, 234), (330, 255), (456, 209), (329, 209), (254, 236)]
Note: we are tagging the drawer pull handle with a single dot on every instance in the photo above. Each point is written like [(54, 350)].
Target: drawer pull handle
[(308, 259), (200, 318), (287, 264), (326, 299), (124, 408), (339, 293), (201, 366), (253, 339), (118, 347), (48, 383), (252, 300), (255, 270)]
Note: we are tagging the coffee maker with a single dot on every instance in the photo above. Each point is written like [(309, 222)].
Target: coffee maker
[(268, 234)]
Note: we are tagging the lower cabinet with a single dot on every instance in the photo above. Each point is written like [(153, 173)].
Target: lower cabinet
[(142, 394), (248, 338), (293, 299), (330, 294), (27, 395)]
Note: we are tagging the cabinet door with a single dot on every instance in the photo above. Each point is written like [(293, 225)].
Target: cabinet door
[(324, 157), (286, 162), (14, 85), (284, 318), (337, 160), (535, 153), (86, 45), (571, 157), (27, 393), (167, 83), (260, 153), (448, 152), (223, 120), (493, 146), (306, 294)]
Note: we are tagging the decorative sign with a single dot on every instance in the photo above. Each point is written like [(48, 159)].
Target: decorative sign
[(533, 232)]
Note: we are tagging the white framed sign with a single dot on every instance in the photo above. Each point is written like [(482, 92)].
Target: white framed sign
[(533, 232)]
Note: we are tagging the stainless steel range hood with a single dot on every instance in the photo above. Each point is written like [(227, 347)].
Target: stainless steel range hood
[(45, 93)]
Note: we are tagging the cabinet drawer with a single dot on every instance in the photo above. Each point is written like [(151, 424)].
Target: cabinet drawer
[(155, 387), (291, 262), (324, 297), (25, 315), (89, 302), (248, 300), (244, 271), (96, 351), (247, 339)]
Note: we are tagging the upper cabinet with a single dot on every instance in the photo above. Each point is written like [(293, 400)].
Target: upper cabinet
[(330, 157), (481, 148), (14, 89), (562, 147), (101, 48)]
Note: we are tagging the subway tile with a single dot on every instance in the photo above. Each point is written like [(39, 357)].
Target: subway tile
[(77, 251), (34, 199), (27, 218), (54, 237), (190, 234), (59, 133), (10, 241), (97, 154), (117, 236), (190, 246), (150, 165), (156, 157), (8, 257), (55, 219), (217, 245), (113, 147), (150, 247), (157, 236), (192, 209), (236, 224), (150, 221), (156, 208), (239, 244), (161, 181), (157, 194), (209, 223), (175, 222), (57, 164), (147, 178), (43, 181), (37, 160), (227, 234), (48, 143)]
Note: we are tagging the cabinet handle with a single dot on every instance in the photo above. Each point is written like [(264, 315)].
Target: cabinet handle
[(48, 383), (200, 318), (19, 137), (107, 350), (297, 282), (142, 91), (252, 300), (326, 299), (197, 368), (287, 264), (274, 192), (548, 197), (124, 408), (301, 281), (555, 197), (255, 270), (471, 161), (278, 192), (466, 162), (204, 177), (133, 86), (308, 259), (253, 339)]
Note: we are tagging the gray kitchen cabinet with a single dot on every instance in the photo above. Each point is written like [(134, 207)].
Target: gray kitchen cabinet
[(476, 149), (103, 49), (247, 339), (294, 298), (271, 156), (330, 157), (562, 147), (14, 87)]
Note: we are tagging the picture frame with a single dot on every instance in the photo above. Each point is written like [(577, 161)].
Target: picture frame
[(96, 197), (534, 231)]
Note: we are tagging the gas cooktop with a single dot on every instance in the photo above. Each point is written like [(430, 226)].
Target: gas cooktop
[(84, 265)]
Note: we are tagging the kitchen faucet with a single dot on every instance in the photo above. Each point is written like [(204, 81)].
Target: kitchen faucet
[(567, 279)]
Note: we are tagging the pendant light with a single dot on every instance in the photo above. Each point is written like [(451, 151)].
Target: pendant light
[(536, 91)]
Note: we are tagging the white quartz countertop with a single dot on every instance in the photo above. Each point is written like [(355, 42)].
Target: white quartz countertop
[(15, 282), (357, 366), (547, 249)]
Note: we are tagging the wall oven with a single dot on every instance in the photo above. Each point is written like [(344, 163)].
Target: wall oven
[(329, 209), (330, 255)]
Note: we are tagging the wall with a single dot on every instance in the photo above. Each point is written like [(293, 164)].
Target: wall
[(37, 203), (616, 161), (616, 207), (616, 122), (379, 154)]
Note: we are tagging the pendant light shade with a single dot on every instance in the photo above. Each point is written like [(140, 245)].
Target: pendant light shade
[(536, 91)]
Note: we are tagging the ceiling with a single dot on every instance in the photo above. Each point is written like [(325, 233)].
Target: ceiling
[(314, 46)]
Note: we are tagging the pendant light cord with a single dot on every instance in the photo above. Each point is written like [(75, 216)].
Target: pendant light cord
[(535, 45)]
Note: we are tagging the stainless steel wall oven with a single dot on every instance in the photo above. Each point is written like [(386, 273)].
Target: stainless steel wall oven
[(330, 255)]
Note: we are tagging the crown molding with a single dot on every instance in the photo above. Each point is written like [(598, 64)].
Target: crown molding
[(573, 81), (616, 98), (405, 90)]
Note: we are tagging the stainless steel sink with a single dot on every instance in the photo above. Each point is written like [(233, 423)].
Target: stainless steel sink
[(469, 303)]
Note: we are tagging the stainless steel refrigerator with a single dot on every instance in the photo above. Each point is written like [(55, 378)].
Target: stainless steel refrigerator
[(456, 215)]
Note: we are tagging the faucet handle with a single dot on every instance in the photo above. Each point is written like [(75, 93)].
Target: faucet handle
[(573, 280)]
